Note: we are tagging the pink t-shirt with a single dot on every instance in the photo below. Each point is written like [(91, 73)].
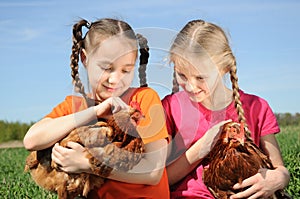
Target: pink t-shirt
[(188, 121)]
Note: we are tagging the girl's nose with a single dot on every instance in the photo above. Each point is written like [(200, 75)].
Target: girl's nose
[(189, 86), (114, 77)]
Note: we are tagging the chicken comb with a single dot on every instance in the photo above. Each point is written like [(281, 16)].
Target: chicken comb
[(242, 127), (136, 106)]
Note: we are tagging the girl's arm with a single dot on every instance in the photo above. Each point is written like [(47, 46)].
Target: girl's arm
[(270, 146), (194, 155), (48, 131), (183, 164), (148, 171), (266, 181)]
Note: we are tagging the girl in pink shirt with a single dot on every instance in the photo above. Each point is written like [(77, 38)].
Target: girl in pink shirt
[(202, 57)]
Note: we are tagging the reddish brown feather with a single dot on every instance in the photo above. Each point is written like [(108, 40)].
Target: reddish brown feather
[(230, 162)]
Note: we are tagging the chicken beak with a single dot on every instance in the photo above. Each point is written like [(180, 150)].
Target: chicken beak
[(241, 140)]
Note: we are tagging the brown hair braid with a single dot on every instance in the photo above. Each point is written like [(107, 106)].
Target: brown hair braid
[(78, 44), (204, 38), (175, 88), (144, 56)]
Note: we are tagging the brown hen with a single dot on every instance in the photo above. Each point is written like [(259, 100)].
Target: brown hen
[(111, 144), (234, 158)]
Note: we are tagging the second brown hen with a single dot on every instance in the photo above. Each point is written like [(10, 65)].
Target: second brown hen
[(234, 158)]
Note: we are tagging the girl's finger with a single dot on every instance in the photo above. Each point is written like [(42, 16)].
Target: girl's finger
[(75, 146), (55, 149), (245, 183), (55, 158), (256, 195), (244, 194), (118, 104)]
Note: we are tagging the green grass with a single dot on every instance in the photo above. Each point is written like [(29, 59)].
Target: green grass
[(289, 141), (16, 184)]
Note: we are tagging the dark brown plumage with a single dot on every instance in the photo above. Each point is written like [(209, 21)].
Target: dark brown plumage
[(111, 144), (234, 158)]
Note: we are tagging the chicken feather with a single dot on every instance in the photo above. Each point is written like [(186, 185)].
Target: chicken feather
[(234, 158), (111, 144)]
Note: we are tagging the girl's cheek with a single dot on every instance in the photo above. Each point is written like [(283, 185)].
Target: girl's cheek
[(182, 85), (128, 78)]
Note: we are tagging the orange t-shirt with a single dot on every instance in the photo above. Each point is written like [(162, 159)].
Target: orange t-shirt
[(151, 128)]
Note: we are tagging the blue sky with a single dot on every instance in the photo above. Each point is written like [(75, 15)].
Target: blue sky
[(35, 45)]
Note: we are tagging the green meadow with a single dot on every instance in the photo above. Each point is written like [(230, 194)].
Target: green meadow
[(14, 183)]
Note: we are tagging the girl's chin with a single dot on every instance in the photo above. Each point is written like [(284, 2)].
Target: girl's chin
[(108, 94), (197, 98)]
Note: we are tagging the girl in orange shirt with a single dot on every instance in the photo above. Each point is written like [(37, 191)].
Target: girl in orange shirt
[(108, 51)]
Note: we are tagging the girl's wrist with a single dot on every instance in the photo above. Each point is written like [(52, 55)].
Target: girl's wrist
[(195, 153), (285, 175), (95, 110), (86, 167)]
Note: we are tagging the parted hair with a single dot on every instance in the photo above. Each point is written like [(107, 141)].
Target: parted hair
[(206, 38), (97, 32)]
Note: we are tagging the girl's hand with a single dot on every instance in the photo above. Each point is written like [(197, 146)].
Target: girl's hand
[(261, 185), (210, 138), (109, 106), (203, 146), (72, 159)]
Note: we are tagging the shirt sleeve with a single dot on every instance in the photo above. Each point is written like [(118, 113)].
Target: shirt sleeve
[(168, 115), (268, 121), (70, 105), (61, 109), (260, 117)]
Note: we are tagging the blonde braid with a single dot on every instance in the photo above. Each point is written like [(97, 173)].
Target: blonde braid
[(76, 48), (144, 56), (236, 98)]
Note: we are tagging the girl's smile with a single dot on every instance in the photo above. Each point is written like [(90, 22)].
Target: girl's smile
[(195, 94), (111, 89)]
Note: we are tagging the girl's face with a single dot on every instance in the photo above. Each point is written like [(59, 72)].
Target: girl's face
[(110, 67), (198, 77)]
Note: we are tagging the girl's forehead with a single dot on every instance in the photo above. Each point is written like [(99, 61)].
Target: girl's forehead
[(112, 48), (194, 64)]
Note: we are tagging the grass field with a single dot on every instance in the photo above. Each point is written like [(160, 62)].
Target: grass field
[(16, 184)]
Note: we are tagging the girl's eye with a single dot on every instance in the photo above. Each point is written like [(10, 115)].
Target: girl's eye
[(126, 71), (106, 68), (200, 78), (182, 76)]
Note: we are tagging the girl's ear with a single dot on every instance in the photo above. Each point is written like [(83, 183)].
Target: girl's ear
[(83, 57), (224, 71)]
